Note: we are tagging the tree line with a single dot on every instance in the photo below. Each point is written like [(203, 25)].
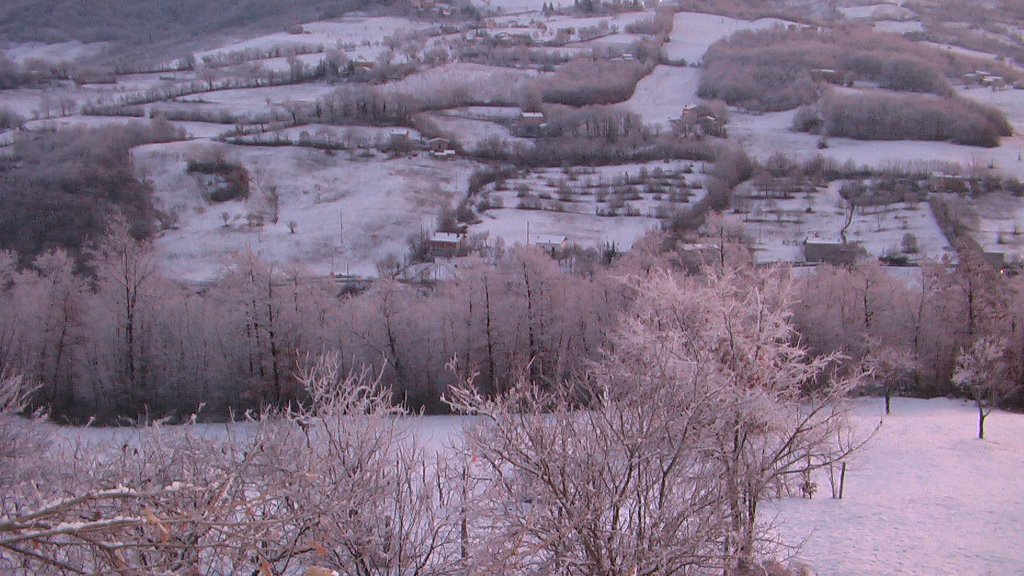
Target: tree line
[(131, 343), (128, 342), (652, 457)]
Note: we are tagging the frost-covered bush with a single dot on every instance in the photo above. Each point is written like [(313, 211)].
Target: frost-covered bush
[(776, 69), (880, 116)]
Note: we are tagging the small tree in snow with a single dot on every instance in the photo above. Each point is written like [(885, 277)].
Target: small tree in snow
[(982, 372), (888, 369)]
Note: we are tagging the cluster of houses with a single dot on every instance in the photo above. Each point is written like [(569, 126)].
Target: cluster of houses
[(455, 244), (832, 76), (441, 148), (697, 121), (987, 80), (433, 7)]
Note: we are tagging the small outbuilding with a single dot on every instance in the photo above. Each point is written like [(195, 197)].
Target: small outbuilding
[(830, 252), (447, 245), (551, 243)]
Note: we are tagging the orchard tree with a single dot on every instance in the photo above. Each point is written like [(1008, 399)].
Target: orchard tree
[(982, 372), (888, 369)]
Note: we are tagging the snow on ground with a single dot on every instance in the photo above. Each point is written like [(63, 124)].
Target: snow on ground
[(614, 22), (29, 102), (779, 227), (193, 129), (254, 99), (693, 32), (516, 6), (999, 226), (764, 134), (660, 96), (961, 51), (621, 42), (571, 202), (22, 101), (329, 33), (491, 113), (898, 26), (585, 230), (60, 52), (470, 133), (282, 65), (144, 82), (485, 84), (379, 201), (345, 136), (924, 497), (876, 12)]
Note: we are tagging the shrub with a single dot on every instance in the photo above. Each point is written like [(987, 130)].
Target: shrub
[(583, 81), (60, 189), (912, 74), (909, 244), (229, 182), (772, 69), (9, 119), (912, 117)]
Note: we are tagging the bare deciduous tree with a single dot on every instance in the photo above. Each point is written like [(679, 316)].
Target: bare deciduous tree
[(336, 483), (657, 461), (982, 372)]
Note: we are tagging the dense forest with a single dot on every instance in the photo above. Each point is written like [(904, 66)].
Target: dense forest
[(59, 189)]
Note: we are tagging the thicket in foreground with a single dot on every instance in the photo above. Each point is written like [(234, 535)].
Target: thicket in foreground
[(336, 484), (657, 460), (654, 460)]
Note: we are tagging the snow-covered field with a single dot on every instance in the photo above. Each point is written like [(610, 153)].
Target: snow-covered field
[(192, 129), (349, 212), (356, 31), (876, 12), (399, 185), (779, 227), (660, 96), (59, 52), (470, 132), (998, 224), (485, 84), (32, 102), (925, 496), (693, 32), (765, 134), (898, 26), (258, 98), (514, 226), (553, 202)]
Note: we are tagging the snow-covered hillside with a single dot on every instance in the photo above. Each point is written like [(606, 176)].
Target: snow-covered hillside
[(925, 496)]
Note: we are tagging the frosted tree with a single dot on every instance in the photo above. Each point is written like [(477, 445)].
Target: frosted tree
[(982, 372), (129, 289), (335, 483), (657, 460), (888, 369)]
